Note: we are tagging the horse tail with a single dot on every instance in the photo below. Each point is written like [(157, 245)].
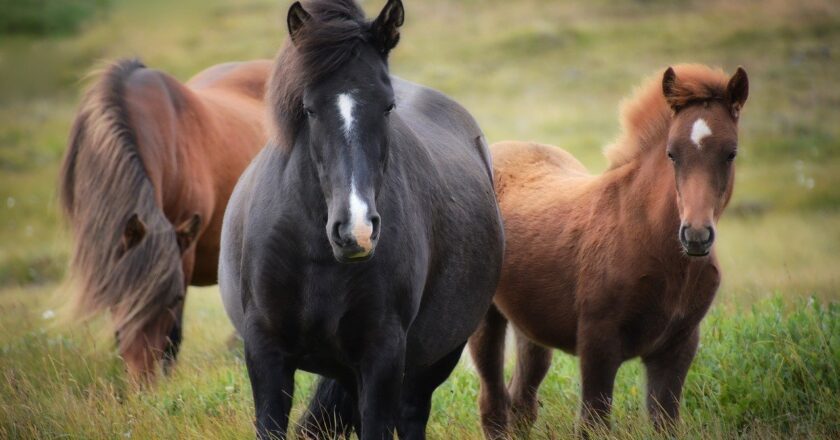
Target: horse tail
[(125, 258), (332, 412)]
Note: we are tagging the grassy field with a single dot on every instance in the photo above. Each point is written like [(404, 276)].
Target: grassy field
[(769, 364)]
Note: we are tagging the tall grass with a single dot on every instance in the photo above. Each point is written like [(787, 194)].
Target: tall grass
[(771, 370)]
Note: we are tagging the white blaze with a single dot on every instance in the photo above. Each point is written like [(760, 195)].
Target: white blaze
[(345, 109), (699, 131), (359, 223), (360, 226)]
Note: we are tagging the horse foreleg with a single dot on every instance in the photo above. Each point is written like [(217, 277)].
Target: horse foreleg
[(600, 356), (272, 383), (666, 371), (487, 347), (380, 379), (417, 396), (532, 364)]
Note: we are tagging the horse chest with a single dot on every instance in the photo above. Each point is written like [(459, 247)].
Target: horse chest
[(668, 309), (319, 310)]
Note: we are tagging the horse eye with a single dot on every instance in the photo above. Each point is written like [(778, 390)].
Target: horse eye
[(671, 156), (390, 108), (309, 112), (731, 156)]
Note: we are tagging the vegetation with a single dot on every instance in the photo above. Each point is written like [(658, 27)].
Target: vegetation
[(534, 70), (43, 17)]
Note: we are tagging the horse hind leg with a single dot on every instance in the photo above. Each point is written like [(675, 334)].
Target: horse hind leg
[(532, 364), (332, 412), (487, 347)]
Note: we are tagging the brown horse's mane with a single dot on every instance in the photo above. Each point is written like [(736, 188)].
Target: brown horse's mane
[(103, 182), (646, 115), (328, 40)]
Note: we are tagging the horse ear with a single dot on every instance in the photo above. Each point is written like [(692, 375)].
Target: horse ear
[(133, 232), (386, 27), (187, 231), (738, 89), (296, 19), (669, 87)]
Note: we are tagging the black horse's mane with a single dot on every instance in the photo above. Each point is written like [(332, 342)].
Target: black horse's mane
[(326, 42)]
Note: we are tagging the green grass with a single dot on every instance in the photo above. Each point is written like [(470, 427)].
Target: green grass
[(552, 72), (46, 17), (770, 369)]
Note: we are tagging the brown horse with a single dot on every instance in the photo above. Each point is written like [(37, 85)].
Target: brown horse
[(148, 172), (614, 266)]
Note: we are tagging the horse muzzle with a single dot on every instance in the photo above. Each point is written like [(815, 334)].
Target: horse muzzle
[(354, 242), (697, 242)]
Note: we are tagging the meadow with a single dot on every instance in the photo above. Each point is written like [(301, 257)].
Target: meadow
[(554, 72)]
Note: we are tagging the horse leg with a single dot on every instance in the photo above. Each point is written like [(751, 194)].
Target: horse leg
[(380, 382), (173, 342), (600, 356), (532, 364), (666, 371), (331, 412), (272, 383), (417, 396), (487, 347)]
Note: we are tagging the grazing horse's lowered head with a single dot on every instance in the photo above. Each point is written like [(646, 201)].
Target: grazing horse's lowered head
[(343, 119), (702, 144)]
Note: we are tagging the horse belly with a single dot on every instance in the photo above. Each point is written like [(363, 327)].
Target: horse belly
[(537, 290), (542, 317)]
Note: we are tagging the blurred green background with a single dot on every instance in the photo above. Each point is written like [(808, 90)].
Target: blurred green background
[(548, 71)]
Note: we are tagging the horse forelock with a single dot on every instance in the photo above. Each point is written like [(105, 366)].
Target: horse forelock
[(646, 115), (327, 42)]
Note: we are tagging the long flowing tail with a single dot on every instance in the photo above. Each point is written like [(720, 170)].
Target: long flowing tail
[(332, 412), (125, 257)]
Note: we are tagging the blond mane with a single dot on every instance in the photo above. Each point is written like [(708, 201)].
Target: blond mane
[(646, 115)]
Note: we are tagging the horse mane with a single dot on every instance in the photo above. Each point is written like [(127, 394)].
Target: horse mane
[(103, 182), (646, 115), (330, 38)]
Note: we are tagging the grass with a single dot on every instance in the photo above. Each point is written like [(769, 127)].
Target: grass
[(772, 369), (533, 70), (44, 17)]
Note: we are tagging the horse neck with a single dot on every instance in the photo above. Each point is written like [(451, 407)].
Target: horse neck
[(173, 165), (649, 187)]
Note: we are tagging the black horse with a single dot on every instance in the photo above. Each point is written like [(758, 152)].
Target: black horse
[(361, 163)]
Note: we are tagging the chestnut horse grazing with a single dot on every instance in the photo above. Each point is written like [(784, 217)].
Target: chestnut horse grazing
[(614, 266), (150, 166)]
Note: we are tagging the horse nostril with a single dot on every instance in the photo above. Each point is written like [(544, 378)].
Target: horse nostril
[(710, 237), (336, 236), (374, 222)]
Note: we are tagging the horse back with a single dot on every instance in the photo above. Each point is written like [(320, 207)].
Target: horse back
[(246, 78)]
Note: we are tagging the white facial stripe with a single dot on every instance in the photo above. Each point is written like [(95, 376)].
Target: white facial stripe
[(360, 226), (699, 131), (345, 109)]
